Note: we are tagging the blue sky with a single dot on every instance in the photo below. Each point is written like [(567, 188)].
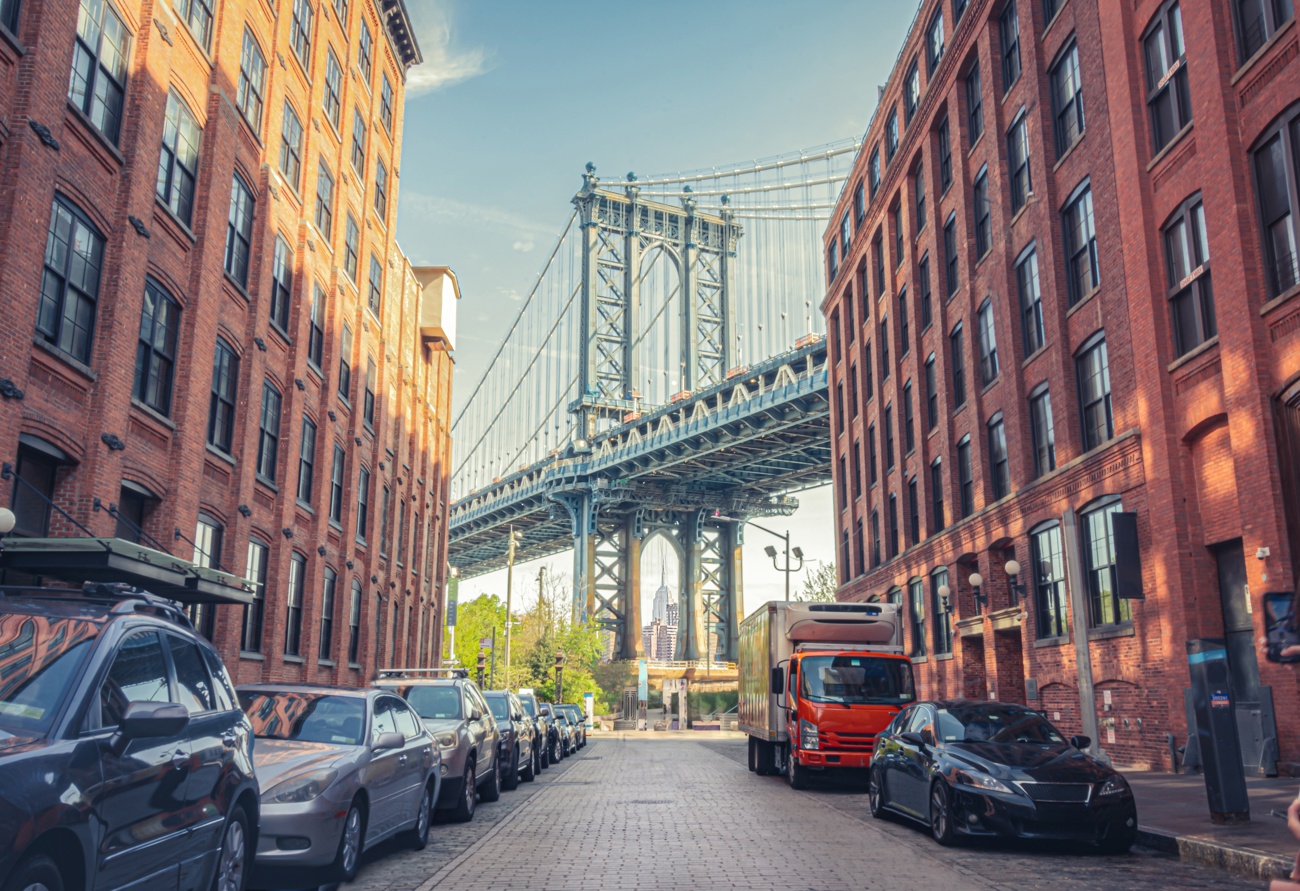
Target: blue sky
[(515, 97)]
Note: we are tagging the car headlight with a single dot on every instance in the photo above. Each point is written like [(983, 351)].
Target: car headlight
[(303, 787), (447, 739), (1116, 785), (807, 734), (981, 781)]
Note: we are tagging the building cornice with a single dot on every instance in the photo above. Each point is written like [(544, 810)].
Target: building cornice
[(397, 21)]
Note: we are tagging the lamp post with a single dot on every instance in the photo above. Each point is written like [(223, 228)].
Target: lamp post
[(771, 552), (559, 676), (510, 577)]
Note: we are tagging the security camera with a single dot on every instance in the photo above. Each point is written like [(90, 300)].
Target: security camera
[(1261, 553)]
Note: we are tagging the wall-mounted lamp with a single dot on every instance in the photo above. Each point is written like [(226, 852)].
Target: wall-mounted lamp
[(1016, 588), (981, 599), (945, 598)]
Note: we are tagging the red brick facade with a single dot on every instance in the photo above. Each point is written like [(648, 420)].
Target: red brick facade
[(1192, 444), (75, 406)]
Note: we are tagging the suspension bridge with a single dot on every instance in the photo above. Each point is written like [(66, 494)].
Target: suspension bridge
[(665, 375)]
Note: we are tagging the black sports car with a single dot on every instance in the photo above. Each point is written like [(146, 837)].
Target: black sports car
[(996, 768)]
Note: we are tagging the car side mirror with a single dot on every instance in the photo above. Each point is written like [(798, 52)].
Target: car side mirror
[(1081, 742), (777, 682), (390, 740), (927, 737), (912, 738), (147, 720), (546, 712)]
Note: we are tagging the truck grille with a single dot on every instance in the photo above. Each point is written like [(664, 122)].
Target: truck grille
[(861, 742), (1061, 792)]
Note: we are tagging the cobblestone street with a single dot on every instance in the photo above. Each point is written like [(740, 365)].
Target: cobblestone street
[(671, 813)]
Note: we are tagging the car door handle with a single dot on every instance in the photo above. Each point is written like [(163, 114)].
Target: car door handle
[(401, 759), (180, 759), (228, 740)]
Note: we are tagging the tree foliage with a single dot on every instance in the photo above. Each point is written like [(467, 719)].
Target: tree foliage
[(820, 585)]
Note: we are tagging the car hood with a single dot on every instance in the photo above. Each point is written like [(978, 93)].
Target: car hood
[(11, 745), (277, 759), (1037, 763), (441, 725)]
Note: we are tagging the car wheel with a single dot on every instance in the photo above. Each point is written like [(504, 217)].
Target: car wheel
[(232, 860), (468, 797), (941, 826), (1118, 840), (876, 793), (530, 772), (417, 837), (491, 790), (557, 754), (511, 780), (543, 755), (348, 857), (36, 874), (795, 772)]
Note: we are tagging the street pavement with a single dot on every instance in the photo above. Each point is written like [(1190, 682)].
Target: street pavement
[(638, 813)]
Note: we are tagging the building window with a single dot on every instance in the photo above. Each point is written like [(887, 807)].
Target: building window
[(871, 453), (99, 63), (1031, 301), (914, 510), (859, 554), (1051, 8), (281, 284), (937, 520), (9, 13), (983, 226), (888, 421), (316, 334), (916, 616), (846, 233), (843, 478), (853, 389), (252, 74), (1104, 605), (1081, 269), (336, 485), (839, 407), (1067, 99), (351, 248), (326, 646), (950, 253), (385, 508), (386, 103), (268, 432), (1047, 561), (1009, 31), (365, 52), (974, 106), (988, 344), (374, 299), (957, 354), (966, 477), (875, 538), (324, 200), (909, 426), (832, 260), (381, 190), (363, 504), (934, 45), (255, 571), (873, 172), (290, 146), (306, 461), (893, 526), (923, 290), (225, 389), (197, 14), (851, 327), (958, 10), (931, 395), (359, 134), (293, 604), (239, 230), (1187, 261), (899, 234), (345, 364), (208, 534), (904, 329), (134, 504), (945, 156), (156, 353), (1093, 372), (919, 190), (878, 249), (354, 623), (859, 204), (300, 32), (1022, 183), (868, 379), (178, 162), (403, 531), (942, 613), (368, 398), (884, 348), (333, 97), (911, 92), (1276, 164), (74, 253), (857, 468), (1040, 419), (891, 135), (1168, 97), (999, 469), (1257, 21)]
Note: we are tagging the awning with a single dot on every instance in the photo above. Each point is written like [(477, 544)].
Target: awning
[(114, 561)]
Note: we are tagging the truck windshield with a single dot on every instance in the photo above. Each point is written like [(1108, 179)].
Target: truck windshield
[(856, 679)]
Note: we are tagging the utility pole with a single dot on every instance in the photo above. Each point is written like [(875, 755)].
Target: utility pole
[(510, 577)]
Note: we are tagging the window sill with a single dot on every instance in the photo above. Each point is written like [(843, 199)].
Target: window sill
[(1051, 642), (974, 145), (355, 666), (1261, 52), (327, 663), (171, 218), (103, 141), (251, 656), (1083, 301), (361, 543), (1072, 146), (1170, 146), (67, 359), (943, 657), (12, 39), (203, 51), (293, 660), (1279, 300), (268, 482), (1056, 18), (314, 370), (1109, 632), (216, 452), (153, 414), (241, 290), (1034, 355), (1193, 353), (304, 507), (335, 525), (281, 333), (919, 660)]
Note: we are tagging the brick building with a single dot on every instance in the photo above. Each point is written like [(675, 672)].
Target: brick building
[(206, 190), (1028, 356)]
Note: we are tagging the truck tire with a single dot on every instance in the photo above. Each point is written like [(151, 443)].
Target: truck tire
[(766, 758), (753, 755), (795, 772)]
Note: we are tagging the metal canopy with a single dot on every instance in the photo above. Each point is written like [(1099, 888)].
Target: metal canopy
[(113, 560)]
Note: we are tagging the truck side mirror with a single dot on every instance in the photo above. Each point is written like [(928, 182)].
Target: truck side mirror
[(778, 681)]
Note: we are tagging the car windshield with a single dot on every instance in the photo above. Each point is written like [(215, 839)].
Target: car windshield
[(856, 680), (529, 703), (997, 723), (305, 717), (434, 702), (500, 708), (39, 657)]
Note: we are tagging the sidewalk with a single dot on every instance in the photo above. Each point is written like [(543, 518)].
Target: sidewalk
[(1173, 816)]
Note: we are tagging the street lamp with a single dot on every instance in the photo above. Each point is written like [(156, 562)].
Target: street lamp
[(512, 543), (771, 552), (559, 676)]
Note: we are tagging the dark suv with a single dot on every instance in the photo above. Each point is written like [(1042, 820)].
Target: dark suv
[(543, 730), (125, 759)]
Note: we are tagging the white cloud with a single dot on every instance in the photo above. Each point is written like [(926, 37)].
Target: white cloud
[(424, 206), (444, 62), (524, 245)]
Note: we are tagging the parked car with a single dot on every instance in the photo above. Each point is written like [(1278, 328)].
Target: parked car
[(124, 758), (579, 722), (454, 710), (994, 768), (341, 770), (542, 730), (568, 734), (516, 728)]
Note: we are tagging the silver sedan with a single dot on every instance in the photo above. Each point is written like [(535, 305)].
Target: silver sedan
[(340, 771)]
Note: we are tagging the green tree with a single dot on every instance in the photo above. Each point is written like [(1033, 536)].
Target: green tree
[(820, 585), (475, 621)]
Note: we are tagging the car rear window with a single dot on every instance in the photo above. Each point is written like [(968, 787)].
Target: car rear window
[(500, 708), (39, 658), (305, 717), (434, 703)]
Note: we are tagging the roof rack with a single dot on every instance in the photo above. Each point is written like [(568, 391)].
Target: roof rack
[(129, 599), (424, 672)]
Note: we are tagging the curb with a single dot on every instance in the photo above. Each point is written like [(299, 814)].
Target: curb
[(1242, 861)]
